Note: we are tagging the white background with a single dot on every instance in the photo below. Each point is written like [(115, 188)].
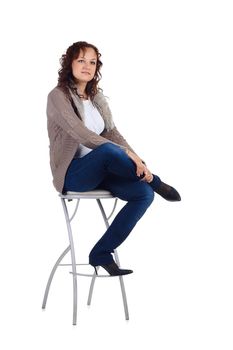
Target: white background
[(168, 74)]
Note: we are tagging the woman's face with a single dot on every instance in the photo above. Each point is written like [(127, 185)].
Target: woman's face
[(84, 67)]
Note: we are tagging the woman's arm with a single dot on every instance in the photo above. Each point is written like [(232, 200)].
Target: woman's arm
[(141, 168), (60, 111), (115, 136)]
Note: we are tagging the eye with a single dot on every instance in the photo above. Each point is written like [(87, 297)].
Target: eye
[(80, 61), (93, 62)]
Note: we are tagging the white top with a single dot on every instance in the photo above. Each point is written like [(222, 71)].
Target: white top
[(93, 121)]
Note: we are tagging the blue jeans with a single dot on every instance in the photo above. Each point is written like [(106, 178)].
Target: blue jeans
[(109, 167)]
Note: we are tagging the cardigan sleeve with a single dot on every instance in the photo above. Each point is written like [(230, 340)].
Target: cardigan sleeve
[(59, 110), (115, 136)]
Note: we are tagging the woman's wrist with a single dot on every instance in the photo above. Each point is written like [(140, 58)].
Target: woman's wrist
[(134, 155)]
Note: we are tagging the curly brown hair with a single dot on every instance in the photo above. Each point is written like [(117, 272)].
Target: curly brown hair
[(66, 79)]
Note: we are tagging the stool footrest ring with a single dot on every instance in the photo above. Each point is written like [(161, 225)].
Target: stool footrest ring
[(89, 275)]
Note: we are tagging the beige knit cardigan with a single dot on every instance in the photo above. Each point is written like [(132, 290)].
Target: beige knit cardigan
[(67, 131)]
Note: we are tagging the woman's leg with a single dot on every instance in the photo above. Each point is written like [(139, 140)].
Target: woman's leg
[(85, 174), (139, 196), (108, 166)]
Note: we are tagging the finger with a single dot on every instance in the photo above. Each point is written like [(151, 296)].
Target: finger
[(140, 171), (140, 174), (150, 179), (147, 177), (144, 179)]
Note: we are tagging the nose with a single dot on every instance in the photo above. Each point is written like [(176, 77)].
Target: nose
[(87, 64)]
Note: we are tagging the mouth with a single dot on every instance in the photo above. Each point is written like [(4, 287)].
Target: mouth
[(86, 73)]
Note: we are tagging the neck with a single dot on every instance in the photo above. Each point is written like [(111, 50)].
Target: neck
[(81, 87)]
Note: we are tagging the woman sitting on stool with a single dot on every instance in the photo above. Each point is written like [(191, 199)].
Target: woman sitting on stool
[(88, 152)]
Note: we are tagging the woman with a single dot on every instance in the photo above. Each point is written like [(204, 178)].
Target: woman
[(88, 152)]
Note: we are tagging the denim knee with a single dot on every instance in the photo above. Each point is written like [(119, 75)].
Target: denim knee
[(149, 193), (145, 192)]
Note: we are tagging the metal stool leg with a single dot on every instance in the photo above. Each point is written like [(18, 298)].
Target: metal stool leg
[(51, 276), (92, 287), (94, 275), (122, 288), (73, 260), (118, 262)]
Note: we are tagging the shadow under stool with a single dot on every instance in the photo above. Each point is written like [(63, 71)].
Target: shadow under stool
[(97, 195)]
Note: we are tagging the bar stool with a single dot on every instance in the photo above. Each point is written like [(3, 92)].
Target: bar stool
[(98, 195)]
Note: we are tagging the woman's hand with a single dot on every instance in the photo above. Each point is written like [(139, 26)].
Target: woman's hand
[(148, 176), (141, 168)]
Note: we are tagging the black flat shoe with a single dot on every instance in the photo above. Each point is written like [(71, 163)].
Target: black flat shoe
[(114, 270), (169, 193)]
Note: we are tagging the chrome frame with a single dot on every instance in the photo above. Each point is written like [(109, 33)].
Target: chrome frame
[(97, 195)]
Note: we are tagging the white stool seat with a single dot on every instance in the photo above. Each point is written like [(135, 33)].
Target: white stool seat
[(96, 194)]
